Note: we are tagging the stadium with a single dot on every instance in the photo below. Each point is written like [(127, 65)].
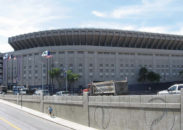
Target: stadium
[(95, 54)]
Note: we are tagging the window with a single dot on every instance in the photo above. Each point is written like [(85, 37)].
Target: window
[(180, 87), (52, 53), (80, 52), (61, 52), (80, 70), (90, 52), (173, 88), (70, 52)]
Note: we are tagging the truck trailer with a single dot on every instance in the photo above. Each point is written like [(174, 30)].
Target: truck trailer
[(108, 88)]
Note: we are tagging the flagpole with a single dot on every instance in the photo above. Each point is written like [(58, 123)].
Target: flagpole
[(66, 82), (7, 72), (42, 75), (12, 73)]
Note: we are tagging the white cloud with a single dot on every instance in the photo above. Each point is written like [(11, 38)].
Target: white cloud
[(25, 16), (146, 8), (98, 14), (28, 15), (112, 25)]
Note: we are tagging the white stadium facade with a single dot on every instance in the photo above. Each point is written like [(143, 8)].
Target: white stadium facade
[(95, 54)]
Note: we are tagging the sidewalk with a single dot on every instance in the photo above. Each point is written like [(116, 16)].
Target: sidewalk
[(56, 120)]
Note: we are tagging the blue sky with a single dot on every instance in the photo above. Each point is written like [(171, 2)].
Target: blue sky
[(24, 16)]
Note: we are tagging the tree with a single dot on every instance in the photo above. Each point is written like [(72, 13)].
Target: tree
[(71, 77), (55, 73), (143, 74), (152, 76), (181, 73)]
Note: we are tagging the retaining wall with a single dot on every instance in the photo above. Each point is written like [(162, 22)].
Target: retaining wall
[(134, 112)]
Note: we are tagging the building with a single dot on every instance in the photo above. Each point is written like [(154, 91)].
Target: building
[(95, 54)]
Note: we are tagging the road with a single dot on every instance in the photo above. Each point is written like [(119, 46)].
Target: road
[(14, 119)]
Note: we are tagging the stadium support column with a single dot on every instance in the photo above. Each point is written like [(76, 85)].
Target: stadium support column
[(117, 75), (85, 67), (66, 68), (96, 72), (7, 72), (12, 72), (136, 67), (170, 66), (154, 62)]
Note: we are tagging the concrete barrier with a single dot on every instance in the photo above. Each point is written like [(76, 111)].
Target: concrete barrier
[(138, 112)]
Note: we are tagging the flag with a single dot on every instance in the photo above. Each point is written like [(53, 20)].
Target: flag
[(5, 56), (10, 57), (14, 58), (46, 54), (49, 56)]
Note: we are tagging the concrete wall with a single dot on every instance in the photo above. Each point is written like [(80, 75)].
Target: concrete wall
[(140, 112)]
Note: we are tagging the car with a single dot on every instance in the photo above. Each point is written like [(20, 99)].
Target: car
[(174, 89), (61, 93), (38, 92)]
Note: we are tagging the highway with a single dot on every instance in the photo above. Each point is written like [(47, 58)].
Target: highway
[(14, 119)]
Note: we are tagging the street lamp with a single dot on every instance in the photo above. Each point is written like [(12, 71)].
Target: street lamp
[(65, 75), (47, 55)]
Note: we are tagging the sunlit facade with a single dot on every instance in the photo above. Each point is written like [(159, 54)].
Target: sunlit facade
[(95, 54)]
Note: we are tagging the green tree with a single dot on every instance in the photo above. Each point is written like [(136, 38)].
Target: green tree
[(181, 73), (55, 73), (143, 74), (153, 77), (72, 77)]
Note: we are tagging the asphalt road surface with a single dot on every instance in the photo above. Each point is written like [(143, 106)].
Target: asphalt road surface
[(14, 119)]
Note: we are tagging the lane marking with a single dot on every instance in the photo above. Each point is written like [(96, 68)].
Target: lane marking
[(9, 123)]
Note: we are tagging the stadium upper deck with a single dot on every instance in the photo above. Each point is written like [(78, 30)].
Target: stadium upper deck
[(97, 37)]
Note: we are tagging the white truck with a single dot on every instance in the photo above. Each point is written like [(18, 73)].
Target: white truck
[(174, 89), (108, 88)]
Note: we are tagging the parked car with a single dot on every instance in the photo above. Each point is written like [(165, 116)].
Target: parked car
[(38, 92), (174, 89), (19, 90), (61, 93)]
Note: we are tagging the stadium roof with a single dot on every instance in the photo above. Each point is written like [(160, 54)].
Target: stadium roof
[(97, 37)]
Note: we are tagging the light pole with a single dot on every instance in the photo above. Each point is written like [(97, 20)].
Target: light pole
[(65, 74), (42, 75), (47, 55)]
